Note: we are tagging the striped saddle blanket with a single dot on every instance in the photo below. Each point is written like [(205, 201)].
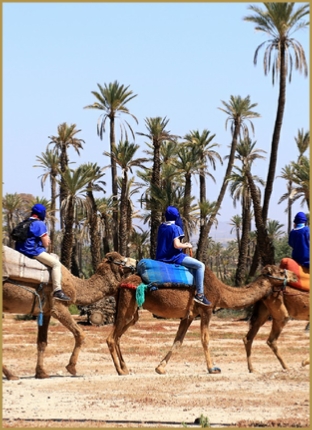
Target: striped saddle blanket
[(157, 272), (302, 273)]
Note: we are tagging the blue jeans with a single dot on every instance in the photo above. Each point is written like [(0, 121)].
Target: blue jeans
[(197, 268)]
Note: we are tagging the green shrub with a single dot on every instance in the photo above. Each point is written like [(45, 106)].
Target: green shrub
[(74, 310)]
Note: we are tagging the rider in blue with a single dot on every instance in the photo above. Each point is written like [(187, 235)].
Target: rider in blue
[(299, 240), (35, 247), (170, 250)]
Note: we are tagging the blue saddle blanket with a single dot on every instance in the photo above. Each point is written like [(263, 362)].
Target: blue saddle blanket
[(157, 272)]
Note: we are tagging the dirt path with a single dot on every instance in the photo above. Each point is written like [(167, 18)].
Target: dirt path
[(98, 397)]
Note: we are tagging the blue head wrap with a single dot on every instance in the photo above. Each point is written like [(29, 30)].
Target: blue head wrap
[(172, 214), (300, 218)]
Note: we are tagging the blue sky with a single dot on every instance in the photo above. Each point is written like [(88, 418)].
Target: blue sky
[(181, 59)]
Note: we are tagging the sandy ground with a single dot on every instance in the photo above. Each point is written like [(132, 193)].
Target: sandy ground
[(98, 397)]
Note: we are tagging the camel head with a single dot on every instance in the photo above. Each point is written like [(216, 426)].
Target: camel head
[(119, 265), (279, 276)]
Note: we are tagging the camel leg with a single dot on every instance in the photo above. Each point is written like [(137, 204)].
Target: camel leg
[(259, 317), (182, 329), (277, 327), (118, 350), (204, 336), (42, 342), (61, 312), (127, 316), (9, 375)]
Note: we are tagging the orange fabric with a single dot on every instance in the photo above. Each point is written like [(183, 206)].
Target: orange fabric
[(302, 273), (128, 285)]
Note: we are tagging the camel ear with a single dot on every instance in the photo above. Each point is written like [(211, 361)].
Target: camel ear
[(109, 256), (267, 270)]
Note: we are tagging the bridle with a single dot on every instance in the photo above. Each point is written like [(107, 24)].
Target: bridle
[(123, 265), (279, 279)]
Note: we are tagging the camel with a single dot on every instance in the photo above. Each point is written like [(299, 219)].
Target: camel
[(290, 303), (19, 297), (179, 303)]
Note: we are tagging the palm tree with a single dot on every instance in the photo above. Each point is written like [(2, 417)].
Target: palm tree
[(301, 180), (240, 190), (112, 100), (157, 134), (95, 184), (12, 207), (187, 164), (207, 210), (76, 183), (50, 161), (303, 142), (239, 111), (274, 229), (123, 156), (105, 208), (236, 223), (65, 138), (205, 153), (279, 21)]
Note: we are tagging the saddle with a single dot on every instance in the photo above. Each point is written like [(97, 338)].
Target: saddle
[(156, 272), (302, 273), (18, 267)]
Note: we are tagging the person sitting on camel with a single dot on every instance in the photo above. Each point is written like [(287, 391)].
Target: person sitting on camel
[(35, 246)]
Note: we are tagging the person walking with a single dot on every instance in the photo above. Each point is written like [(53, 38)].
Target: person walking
[(170, 250), (299, 240), (35, 246)]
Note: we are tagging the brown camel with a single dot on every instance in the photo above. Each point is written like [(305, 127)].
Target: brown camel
[(17, 299), (179, 303), (291, 303)]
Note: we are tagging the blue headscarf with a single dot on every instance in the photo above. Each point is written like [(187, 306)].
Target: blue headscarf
[(300, 218), (172, 214)]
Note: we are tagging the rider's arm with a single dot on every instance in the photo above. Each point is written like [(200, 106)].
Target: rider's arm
[(179, 245)]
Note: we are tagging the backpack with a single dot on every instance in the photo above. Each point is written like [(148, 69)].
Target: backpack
[(20, 232)]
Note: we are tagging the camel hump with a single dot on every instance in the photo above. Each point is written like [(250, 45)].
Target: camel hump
[(21, 268), (302, 273), (152, 271)]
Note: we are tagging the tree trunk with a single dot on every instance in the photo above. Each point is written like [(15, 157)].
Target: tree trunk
[(123, 217), (264, 244), (225, 180), (67, 243), (243, 249), (155, 213), (94, 233), (276, 135), (114, 184)]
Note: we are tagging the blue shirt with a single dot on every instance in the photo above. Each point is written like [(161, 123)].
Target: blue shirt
[(166, 252), (33, 244), (299, 240)]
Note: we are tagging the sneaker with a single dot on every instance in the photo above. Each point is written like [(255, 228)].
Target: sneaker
[(202, 300), (59, 295)]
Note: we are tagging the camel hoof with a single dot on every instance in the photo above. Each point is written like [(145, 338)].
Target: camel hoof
[(160, 370), (12, 378), (71, 368), (214, 370), (42, 375)]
